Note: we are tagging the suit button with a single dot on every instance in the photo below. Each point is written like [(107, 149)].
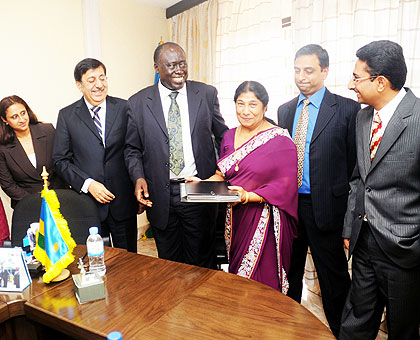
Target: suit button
[(360, 217), (167, 185), (368, 189), (166, 164)]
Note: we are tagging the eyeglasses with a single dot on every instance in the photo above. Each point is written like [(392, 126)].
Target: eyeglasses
[(357, 80), (173, 66)]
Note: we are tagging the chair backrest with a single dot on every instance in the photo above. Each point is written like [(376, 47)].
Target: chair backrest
[(79, 210)]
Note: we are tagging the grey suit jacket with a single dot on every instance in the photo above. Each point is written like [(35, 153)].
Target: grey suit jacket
[(147, 142), (387, 191)]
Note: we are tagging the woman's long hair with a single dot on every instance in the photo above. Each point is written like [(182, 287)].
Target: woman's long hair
[(7, 135)]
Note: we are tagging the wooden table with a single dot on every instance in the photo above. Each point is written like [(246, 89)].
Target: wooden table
[(149, 298)]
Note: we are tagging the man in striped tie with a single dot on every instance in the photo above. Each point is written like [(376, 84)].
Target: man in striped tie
[(382, 224), (88, 153)]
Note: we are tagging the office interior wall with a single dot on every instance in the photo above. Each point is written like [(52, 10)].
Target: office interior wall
[(42, 41)]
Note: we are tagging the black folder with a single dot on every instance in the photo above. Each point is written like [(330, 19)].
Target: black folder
[(207, 191)]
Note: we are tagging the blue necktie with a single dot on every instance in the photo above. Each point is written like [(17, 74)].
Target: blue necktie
[(97, 120)]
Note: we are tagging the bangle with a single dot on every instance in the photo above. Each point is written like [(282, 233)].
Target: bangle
[(261, 200), (246, 198)]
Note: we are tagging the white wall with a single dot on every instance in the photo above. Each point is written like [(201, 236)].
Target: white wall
[(43, 40)]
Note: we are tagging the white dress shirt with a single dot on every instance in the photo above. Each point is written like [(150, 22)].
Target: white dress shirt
[(182, 101), (388, 110), (102, 117)]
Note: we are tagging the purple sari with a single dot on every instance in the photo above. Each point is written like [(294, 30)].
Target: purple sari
[(259, 236)]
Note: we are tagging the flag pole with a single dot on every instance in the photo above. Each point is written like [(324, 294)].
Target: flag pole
[(65, 273)]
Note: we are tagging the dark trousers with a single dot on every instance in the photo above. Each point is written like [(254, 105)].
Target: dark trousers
[(378, 282), (190, 235), (329, 259), (123, 233)]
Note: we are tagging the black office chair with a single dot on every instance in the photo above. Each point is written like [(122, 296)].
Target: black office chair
[(79, 210)]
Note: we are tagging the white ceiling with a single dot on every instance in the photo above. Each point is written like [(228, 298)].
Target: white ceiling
[(160, 3)]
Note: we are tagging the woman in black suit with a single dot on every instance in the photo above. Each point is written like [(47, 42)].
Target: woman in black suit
[(25, 147)]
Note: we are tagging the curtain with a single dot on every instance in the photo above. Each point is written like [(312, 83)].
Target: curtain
[(195, 31), (342, 27), (252, 45)]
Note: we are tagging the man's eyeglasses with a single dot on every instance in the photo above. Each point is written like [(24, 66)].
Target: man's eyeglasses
[(357, 80), (172, 66)]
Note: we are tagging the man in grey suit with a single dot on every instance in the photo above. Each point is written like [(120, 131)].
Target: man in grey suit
[(382, 222), (170, 134)]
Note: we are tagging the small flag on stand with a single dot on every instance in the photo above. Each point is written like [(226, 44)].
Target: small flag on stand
[(54, 244), (157, 74)]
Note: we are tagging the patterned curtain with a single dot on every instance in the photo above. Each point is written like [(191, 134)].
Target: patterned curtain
[(195, 31)]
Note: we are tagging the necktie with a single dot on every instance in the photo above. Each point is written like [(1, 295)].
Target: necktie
[(300, 138), (96, 119), (376, 137), (176, 152)]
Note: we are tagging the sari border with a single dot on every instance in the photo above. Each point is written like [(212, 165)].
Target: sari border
[(245, 149), (280, 269), (250, 259)]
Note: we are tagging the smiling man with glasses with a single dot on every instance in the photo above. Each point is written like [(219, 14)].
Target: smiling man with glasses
[(382, 223)]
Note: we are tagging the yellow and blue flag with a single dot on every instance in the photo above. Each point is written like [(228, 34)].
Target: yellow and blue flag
[(54, 244)]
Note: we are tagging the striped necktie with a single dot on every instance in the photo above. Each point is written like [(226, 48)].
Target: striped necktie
[(96, 119), (300, 138), (376, 137)]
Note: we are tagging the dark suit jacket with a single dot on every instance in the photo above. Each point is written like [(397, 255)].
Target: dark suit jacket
[(79, 154), (332, 156), (388, 189), (147, 150), (18, 177)]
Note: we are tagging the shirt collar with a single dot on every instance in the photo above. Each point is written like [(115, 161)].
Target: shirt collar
[(315, 99), (391, 107), (166, 92), (90, 106)]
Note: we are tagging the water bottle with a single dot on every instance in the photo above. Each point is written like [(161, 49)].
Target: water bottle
[(114, 336), (95, 250)]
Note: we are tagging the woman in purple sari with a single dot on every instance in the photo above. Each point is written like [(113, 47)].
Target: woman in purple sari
[(260, 161)]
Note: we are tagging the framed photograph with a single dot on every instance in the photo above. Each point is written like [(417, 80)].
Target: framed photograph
[(14, 274)]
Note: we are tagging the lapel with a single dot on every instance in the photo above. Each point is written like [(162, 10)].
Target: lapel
[(290, 115), (84, 115), (326, 111), (154, 104), (363, 140), (18, 154), (194, 101), (39, 142), (395, 127), (111, 114)]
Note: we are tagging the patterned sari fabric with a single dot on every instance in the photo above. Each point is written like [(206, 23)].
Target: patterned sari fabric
[(259, 236)]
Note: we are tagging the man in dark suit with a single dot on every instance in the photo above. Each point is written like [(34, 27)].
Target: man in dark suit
[(327, 157), (171, 132), (383, 214), (88, 153)]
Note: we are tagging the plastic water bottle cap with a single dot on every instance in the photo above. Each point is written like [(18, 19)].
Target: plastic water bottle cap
[(114, 336), (93, 230)]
